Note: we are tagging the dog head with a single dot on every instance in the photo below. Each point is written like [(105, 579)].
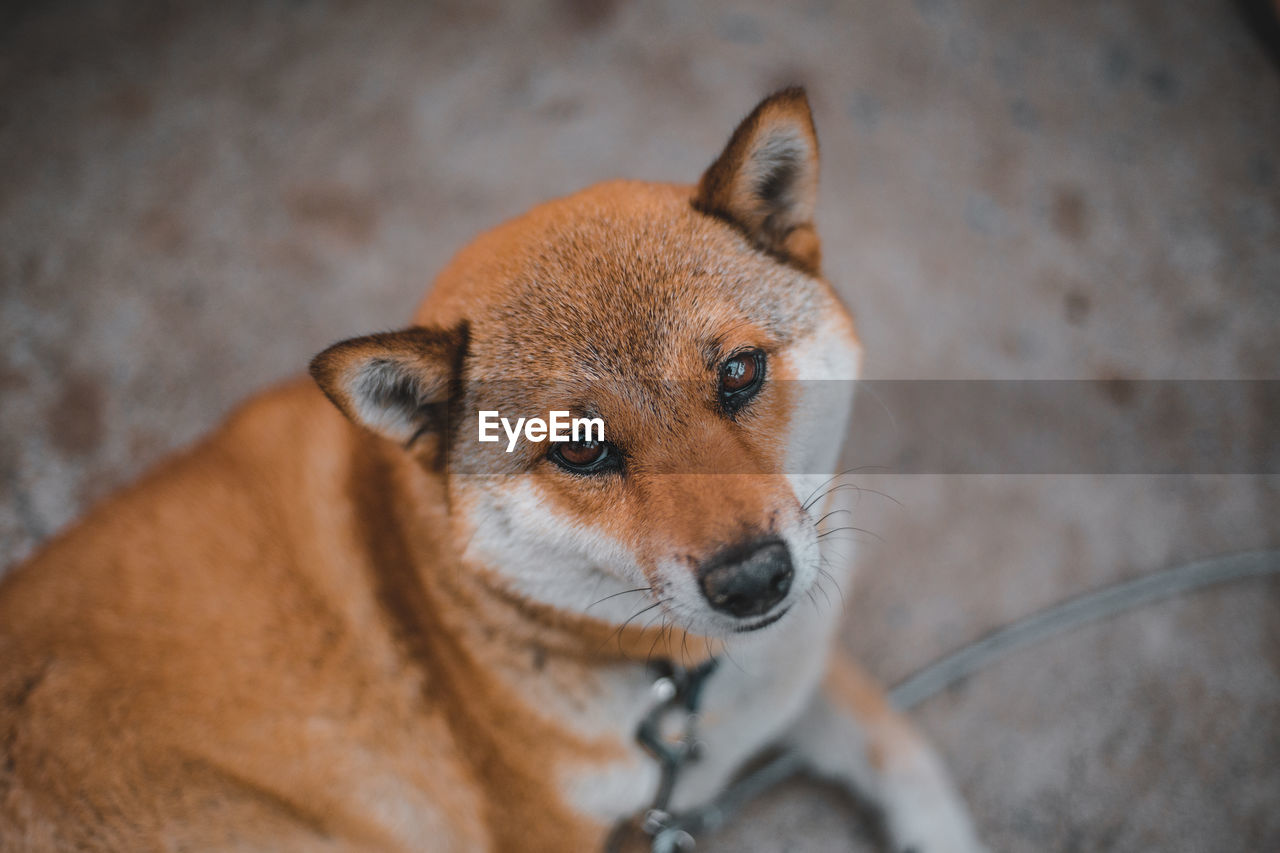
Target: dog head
[(694, 323)]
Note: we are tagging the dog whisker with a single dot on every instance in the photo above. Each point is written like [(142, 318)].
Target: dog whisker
[(652, 646), (824, 489), (818, 523), (616, 594), (822, 589), (617, 632), (840, 592), (808, 502), (848, 528)]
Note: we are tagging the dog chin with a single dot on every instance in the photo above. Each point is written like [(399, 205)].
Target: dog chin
[(763, 622), (719, 627)]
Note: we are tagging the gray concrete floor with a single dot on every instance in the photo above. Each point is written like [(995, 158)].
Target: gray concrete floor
[(195, 199)]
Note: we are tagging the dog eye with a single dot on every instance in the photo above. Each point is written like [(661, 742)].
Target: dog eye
[(585, 457), (740, 379)]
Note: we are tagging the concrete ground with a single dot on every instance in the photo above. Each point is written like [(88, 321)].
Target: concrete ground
[(195, 199)]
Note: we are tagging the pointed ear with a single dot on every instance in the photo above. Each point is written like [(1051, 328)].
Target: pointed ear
[(397, 384), (766, 180)]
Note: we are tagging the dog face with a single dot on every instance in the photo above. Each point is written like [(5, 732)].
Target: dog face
[(693, 323)]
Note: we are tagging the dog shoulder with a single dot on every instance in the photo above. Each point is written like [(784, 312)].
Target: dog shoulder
[(204, 607)]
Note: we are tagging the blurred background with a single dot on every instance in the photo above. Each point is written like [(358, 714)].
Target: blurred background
[(195, 198)]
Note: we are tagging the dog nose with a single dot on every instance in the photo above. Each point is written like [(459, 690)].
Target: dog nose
[(747, 581)]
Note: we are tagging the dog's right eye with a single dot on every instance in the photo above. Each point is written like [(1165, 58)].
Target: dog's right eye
[(740, 379), (586, 457)]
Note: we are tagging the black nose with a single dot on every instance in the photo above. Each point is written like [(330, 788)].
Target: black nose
[(747, 580)]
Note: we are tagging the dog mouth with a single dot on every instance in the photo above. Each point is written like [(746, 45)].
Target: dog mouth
[(763, 623)]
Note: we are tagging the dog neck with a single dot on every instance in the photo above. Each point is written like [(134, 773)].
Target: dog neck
[(427, 590), (485, 652)]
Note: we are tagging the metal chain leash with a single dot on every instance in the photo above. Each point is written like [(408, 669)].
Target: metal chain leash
[(677, 690)]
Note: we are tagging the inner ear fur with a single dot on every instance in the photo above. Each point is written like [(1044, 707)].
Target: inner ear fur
[(765, 182), (397, 384)]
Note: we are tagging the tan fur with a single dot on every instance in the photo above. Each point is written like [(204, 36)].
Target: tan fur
[(318, 632)]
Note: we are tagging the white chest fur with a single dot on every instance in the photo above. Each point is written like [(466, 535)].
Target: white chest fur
[(762, 684)]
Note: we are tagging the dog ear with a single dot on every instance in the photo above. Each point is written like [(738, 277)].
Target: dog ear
[(397, 384), (765, 182)]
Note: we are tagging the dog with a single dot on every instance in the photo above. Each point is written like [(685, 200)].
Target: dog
[(345, 622)]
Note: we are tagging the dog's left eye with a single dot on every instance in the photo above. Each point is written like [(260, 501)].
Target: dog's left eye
[(585, 457), (740, 379)]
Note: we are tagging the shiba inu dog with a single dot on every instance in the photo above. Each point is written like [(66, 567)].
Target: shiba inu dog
[(343, 622)]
